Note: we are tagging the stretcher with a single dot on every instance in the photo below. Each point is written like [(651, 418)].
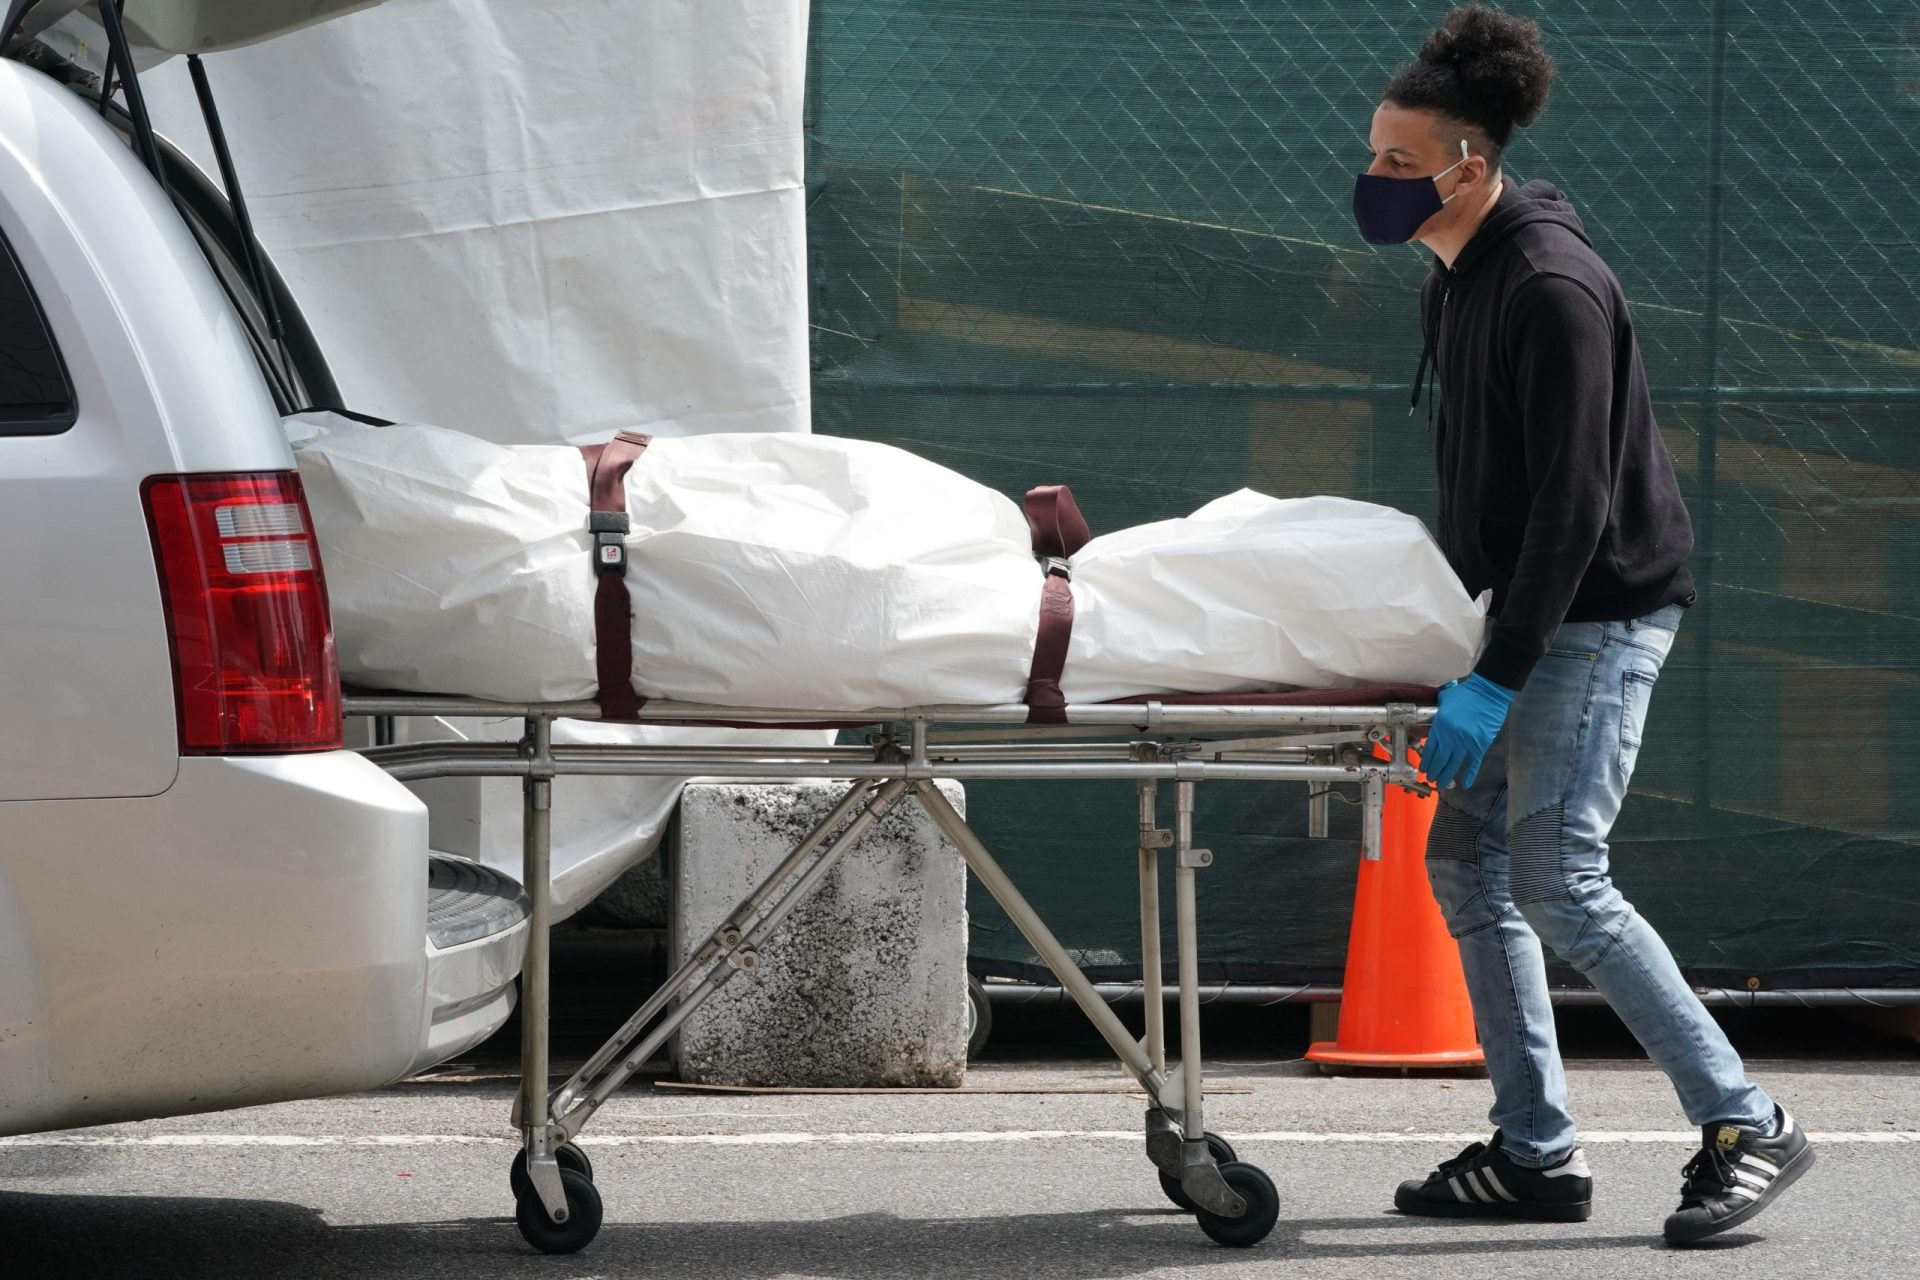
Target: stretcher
[(1352, 742)]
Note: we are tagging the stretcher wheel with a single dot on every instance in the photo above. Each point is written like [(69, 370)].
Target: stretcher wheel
[(1222, 1152), (571, 1236), (1263, 1208), (566, 1155)]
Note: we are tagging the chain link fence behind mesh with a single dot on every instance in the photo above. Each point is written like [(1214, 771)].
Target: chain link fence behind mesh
[(1108, 243)]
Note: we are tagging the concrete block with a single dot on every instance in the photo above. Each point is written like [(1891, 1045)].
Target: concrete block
[(637, 900), (864, 984)]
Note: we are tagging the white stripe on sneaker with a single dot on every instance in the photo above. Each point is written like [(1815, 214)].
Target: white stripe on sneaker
[(1763, 1167), (1474, 1185), (1493, 1180), (1745, 1192), (1786, 1123), (1458, 1193), (1574, 1166), (1751, 1180)]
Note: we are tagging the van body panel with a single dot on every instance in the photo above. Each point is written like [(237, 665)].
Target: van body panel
[(164, 381), (177, 934), (252, 934)]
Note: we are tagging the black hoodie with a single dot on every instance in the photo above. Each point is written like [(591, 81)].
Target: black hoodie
[(1555, 489)]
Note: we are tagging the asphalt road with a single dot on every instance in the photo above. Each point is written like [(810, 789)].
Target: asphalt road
[(410, 1181)]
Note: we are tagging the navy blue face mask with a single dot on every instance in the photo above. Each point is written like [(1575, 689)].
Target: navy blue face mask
[(1390, 210)]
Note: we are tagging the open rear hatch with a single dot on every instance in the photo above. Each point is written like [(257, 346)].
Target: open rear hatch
[(168, 27), (100, 50)]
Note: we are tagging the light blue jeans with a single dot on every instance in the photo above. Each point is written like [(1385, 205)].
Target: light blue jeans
[(1520, 858)]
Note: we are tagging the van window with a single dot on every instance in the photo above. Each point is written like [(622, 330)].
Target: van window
[(36, 399)]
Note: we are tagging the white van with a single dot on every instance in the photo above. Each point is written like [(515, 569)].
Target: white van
[(205, 901)]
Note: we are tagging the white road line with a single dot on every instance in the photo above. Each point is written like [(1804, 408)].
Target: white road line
[(799, 1139)]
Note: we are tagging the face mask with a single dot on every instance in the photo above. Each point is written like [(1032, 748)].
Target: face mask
[(1390, 210)]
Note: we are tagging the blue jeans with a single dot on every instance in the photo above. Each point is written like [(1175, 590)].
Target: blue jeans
[(1520, 858)]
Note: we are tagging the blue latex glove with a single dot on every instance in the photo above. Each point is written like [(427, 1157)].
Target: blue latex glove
[(1470, 716)]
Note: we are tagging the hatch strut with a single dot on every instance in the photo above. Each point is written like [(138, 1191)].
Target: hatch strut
[(230, 178), (117, 51)]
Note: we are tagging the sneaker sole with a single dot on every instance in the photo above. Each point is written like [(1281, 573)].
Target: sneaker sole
[(1578, 1211), (1787, 1176)]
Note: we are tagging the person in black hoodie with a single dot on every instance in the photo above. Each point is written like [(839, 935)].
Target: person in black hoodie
[(1557, 496)]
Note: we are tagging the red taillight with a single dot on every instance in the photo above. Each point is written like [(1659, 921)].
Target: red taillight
[(253, 662)]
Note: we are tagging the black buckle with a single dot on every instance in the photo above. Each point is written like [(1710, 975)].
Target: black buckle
[(609, 529)]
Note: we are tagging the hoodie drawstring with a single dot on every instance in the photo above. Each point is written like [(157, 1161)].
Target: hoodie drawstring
[(1423, 374), (1429, 347)]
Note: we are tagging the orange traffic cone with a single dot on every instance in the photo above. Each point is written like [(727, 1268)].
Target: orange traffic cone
[(1404, 1003)]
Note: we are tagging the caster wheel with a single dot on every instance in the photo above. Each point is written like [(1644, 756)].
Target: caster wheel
[(572, 1157), (1222, 1152), (571, 1236), (979, 1017), (567, 1155), (1263, 1208)]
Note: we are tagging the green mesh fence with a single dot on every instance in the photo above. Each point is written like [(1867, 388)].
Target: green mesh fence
[(1108, 243)]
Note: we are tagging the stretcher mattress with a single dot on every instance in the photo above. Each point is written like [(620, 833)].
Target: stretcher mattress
[(810, 572)]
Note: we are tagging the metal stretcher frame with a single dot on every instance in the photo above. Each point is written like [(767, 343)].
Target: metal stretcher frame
[(1325, 742)]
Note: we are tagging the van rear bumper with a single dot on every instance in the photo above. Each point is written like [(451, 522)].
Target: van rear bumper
[(252, 934)]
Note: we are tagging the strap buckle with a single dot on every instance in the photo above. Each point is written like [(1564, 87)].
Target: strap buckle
[(609, 529), (1058, 567)]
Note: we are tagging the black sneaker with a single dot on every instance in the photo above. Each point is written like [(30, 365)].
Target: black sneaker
[(1738, 1172), (1481, 1182)]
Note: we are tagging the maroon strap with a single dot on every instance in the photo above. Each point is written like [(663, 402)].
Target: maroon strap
[(1056, 523), (1059, 531), (607, 467)]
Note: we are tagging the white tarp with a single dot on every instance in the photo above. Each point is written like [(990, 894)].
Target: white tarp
[(814, 573), (765, 570), (543, 221), (1252, 592)]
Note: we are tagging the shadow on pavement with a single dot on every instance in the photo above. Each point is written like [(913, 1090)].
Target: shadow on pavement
[(105, 1237)]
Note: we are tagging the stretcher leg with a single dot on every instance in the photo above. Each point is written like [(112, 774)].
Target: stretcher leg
[(558, 1210), (727, 937), (1199, 1173), (1132, 1054), (745, 957), (1187, 944), (1373, 808), (1152, 840), (536, 851), (1319, 811), (1163, 1135), (1236, 1204), (732, 948), (1167, 1138)]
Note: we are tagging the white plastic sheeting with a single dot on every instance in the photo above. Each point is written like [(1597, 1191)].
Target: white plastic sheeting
[(544, 221), (1252, 592), (765, 570), (814, 573)]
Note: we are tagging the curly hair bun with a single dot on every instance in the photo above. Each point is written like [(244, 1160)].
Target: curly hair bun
[(1501, 63)]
